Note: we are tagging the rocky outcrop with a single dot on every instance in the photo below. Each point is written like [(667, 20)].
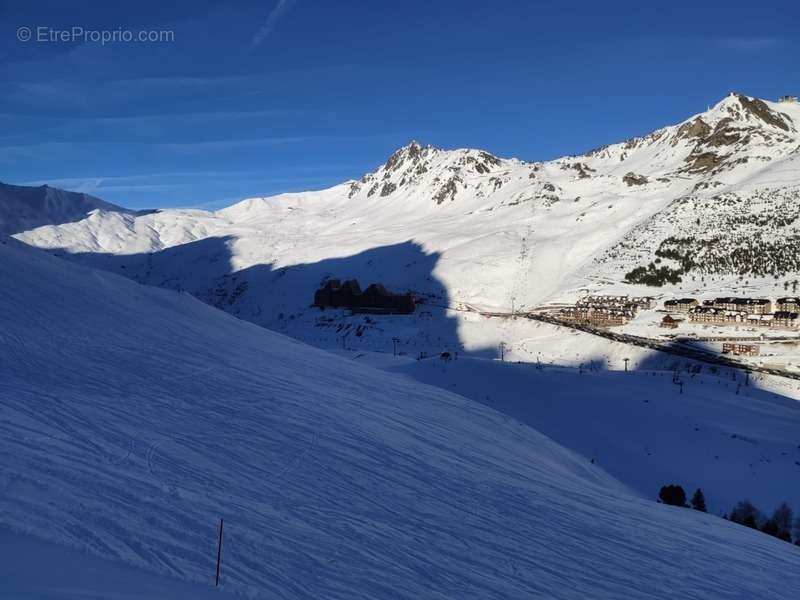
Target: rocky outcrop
[(760, 109), (694, 129), (724, 134), (633, 179), (702, 162), (582, 168), (447, 191), (388, 188)]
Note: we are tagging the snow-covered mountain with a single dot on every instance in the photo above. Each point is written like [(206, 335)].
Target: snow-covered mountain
[(26, 208), (133, 418), (708, 204), (503, 230)]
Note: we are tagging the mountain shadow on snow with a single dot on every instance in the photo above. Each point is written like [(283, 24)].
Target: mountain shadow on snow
[(281, 297)]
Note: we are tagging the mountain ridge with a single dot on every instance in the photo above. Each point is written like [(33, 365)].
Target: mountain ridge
[(25, 207)]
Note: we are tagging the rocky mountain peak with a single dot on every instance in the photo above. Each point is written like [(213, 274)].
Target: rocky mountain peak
[(752, 111), (734, 131), (442, 172), (413, 153)]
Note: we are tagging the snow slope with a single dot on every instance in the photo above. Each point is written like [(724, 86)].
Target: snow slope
[(32, 569), (133, 418), (734, 440)]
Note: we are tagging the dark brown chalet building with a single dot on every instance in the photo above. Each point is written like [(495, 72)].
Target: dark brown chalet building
[(669, 322), (375, 299)]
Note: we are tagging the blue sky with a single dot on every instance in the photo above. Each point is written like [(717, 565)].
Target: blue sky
[(255, 98)]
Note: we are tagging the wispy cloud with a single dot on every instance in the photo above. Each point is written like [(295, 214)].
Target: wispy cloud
[(38, 149), (269, 25), (31, 150), (287, 173), (751, 43), (234, 144), (205, 116), (99, 184), (67, 95)]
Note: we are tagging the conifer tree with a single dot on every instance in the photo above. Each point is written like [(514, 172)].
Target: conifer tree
[(673, 495), (746, 514), (782, 517), (699, 501)]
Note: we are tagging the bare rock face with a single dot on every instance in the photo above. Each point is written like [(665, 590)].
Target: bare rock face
[(483, 162), (388, 188), (633, 179), (447, 191), (696, 129), (760, 109), (412, 153), (703, 162), (724, 134), (582, 168)]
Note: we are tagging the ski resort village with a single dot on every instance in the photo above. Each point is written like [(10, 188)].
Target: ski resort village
[(399, 301), (740, 326)]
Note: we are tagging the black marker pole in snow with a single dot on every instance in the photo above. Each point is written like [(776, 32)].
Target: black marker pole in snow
[(219, 552)]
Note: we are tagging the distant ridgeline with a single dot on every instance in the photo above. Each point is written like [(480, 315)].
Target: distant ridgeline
[(374, 299)]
